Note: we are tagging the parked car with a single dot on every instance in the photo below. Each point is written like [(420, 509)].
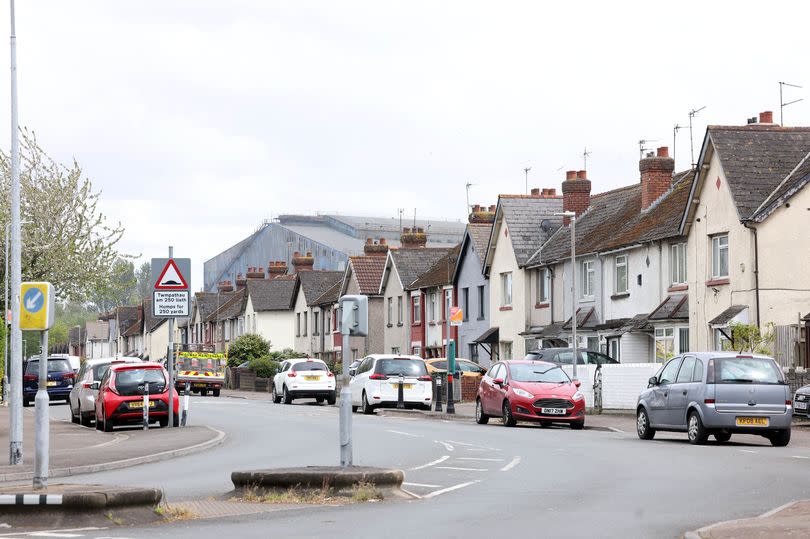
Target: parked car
[(719, 394), (564, 356), (60, 379), (120, 396), (524, 390), (376, 383), (353, 367), (75, 361), (467, 367), (82, 398), (303, 378), (801, 401)]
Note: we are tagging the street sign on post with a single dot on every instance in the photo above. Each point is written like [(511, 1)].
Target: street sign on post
[(354, 322), (36, 306), (456, 316)]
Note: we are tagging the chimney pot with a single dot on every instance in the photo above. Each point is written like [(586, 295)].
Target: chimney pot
[(766, 117), (552, 192), (663, 151), (535, 192), (570, 175), (369, 241), (492, 208), (383, 241), (476, 208), (582, 175)]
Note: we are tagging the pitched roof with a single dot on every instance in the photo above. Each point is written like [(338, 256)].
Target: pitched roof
[(441, 273), (756, 160), (232, 308), (368, 271), (524, 216), (150, 322), (586, 319), (272, 294), (726, 316), (479, 234), (207, 302), (412, 263), (675, 306), (315, 283), (332, 295), (795, 181), (97, 330)]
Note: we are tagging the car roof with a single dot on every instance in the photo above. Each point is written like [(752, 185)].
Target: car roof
[(431, 360), (295, 360), (394, 356), (104, 360), (527, 362), (729, 353), (132, 365)]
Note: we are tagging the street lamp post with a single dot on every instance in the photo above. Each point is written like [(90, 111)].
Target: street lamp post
[(573, 216)]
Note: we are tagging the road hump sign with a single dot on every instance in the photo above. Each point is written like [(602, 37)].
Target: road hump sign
[(456, 316), (171, 278), (36, 306)]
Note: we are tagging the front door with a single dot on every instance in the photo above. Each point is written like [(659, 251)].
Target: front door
[(660, 393)]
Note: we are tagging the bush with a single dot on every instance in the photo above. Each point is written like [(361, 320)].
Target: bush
[(287, 353), (246, 348), (264, 367)]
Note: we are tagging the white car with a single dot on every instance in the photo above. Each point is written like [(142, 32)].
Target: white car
[(82, 398), (303, 378), (375, 383), (75, 361)]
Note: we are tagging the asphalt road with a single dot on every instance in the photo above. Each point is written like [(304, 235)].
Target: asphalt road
[(474, 481)]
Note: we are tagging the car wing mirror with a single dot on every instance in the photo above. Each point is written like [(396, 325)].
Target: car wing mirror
[(577, 383), (653, 381), (352, 372), (95, 385), (498, 381)]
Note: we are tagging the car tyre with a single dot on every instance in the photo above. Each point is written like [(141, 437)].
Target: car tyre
[(215, 392), (26, 402), (319, 400), (287, 396), (780, 438), (274, 396), (643, 429), (480, 417), (507, 418), (722, 436), (366, 408), (332, 398), (578, 425), (354, 409), (85, 419), (204, 392), (74, 418), (108, 424), (98, 423), (163, 422), (695, 430)]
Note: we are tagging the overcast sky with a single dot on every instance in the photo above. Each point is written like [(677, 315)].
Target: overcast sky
[(198, 119)]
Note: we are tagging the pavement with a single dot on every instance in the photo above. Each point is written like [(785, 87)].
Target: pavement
[(789, 520), (78, 450)]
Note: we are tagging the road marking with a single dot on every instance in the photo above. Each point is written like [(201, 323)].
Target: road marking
[(479, 447), (747, 451), (449, 489), (614, 429), (421, 485), (482, 459), (476, 449), (514, 462), (53, 533), (799, 457), (447, 446), (118, 438), (462, 469), (433, 463), (405, 433)]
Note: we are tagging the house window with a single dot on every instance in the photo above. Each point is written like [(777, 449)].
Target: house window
[(305, 317), (416, 350), (506, 289), (448, 302), (399, 310), (338, 323), (683, 340), (395, 350), (620, 283), (297, 324), (615, 348), (433, 314), (315, 322), (473, 352), (678, 264), (720, 256), (465, 304), (543, 285), (587, 279), (593, 344), (481, 302), (327, 322), (664, 344), (355, 355), (390, 311), (417, 310), (506, 350)]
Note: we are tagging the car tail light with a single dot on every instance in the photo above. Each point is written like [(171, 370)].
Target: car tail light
[(425, 378), (86, 385), (378, 377), (330, 375), (69, 376), (708, 401), (788, 403), (291, 374), (30, 377)]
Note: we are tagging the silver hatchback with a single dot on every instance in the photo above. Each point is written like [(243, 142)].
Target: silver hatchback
[(717, 393)]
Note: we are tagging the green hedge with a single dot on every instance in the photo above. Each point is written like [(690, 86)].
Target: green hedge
[(264, 367)]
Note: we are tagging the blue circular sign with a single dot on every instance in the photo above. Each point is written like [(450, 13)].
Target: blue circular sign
[(33, 300)]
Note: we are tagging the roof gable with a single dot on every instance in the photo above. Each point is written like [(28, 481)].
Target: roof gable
[(524, 217), (412, 263), (272, 294), (315, 283), (441, 273), (367, 272)]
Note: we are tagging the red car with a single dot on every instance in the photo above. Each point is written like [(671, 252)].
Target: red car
[(529, 391), (120, 395)]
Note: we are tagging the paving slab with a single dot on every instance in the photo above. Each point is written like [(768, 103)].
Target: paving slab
[(790, 520)]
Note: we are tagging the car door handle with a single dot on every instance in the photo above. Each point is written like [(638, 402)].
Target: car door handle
[(665, 394), (684, 392)]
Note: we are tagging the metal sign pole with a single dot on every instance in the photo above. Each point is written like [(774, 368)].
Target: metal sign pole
[(451, 357), (42, 402), (170, 360), (345, 400)]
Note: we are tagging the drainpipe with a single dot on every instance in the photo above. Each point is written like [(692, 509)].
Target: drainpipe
[(551, 292), (756, 263)]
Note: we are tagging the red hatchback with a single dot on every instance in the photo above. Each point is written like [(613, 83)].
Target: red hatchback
[(120, 395), (529, 391)]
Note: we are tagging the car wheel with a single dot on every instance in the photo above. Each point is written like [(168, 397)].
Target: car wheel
[(722, 436), (204, 392), (85, 419), (26, 402), (163, 422), (695, 430), (274, 396), (480, 417), (332, 398), (645, 432), (287, 396), (74, 418), (215, 392), (365, 406), (319, 400), (507, 418), (354, 409), (578, 425), (108, 424), (780, 438)]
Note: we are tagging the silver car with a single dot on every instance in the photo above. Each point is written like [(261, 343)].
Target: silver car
[(717, 393), (82, 398)]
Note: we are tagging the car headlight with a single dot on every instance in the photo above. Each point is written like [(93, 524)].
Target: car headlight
[(522, 393), (578, 396)]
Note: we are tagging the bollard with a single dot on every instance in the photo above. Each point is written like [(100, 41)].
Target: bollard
[(439, 393), (401, 393), (185, 404), (145, 406)]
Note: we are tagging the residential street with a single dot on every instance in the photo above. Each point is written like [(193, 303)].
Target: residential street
[(556, 481)]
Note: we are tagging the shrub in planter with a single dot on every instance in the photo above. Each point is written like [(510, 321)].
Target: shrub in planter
[(264, 367), (246, 348)]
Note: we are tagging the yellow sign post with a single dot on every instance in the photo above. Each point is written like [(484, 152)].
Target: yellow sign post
[(36, 306)]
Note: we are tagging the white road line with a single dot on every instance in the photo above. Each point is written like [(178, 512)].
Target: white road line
[(412, 494), (614, 429), (482, 447), (462, 469), (747, 451), (514, 462), (476, 449), (421, 485), (482, 459), (433, 463), (799, 457), (52, 532), (405, 433), (447, 446), (448, 489)]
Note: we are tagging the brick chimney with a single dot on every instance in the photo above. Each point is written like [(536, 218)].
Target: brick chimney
[(255, 273), (413, 238), (303, 262), (535, 191), (241, 281), (656, 176), (375, 248), (276, 268), (576, 190), (225, 286), (482, 214)]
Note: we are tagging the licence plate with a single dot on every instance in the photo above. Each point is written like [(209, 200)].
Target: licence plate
[(800, 405), (552, 411), (199, 385), (51, 384), (139, 404), (752, 421), (404, 386), (312, 378)]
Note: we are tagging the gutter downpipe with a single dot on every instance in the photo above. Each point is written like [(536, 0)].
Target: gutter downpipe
[(756, 264)]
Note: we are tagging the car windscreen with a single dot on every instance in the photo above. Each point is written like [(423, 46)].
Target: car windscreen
[(309, 366), (100, 370), (526, 372), (468, 367), (746, 370), (405, 367), (127, 381), (54, 365)]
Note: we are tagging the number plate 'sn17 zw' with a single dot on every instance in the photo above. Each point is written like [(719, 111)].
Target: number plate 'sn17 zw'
[(552, 411)]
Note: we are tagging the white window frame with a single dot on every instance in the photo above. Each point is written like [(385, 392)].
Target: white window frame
[(619, 264), (665, 336), (588, 277), (448, 302), (677, 264), (718, 249), (390, 311), (399, 310), (543, 285), (416, 309), (506, 289), (433, 306)]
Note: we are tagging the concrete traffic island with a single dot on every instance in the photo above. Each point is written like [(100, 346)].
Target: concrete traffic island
[(340, 481), (78, 505)]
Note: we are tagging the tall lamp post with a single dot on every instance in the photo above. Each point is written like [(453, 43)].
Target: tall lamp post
[(573, 216)]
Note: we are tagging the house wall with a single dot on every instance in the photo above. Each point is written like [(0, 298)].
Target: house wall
[(375, 341), (97, 349), (637, 347), (643, 298), (395, 333), (276, 326), (540, 313), (157, 342), (417, 333), (433, 330), (303, 334), (470, 276), (510, 320)]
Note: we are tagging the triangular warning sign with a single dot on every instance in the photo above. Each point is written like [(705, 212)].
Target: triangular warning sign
[(170, 278)]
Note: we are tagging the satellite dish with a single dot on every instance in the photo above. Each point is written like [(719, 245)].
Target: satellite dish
[(545, 226)]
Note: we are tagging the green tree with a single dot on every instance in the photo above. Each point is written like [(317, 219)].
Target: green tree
[(749, 338), (144, 277), (120, 289), (246, 348), (66, 239)]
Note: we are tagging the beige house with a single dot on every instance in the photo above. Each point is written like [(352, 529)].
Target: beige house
[(309, 317), (155, 334), (748, 243)]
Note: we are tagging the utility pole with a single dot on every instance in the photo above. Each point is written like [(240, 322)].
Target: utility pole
[(170, 357), (5, 326), (573, 216), (526, 172), (674, 136), (692, 114), (467, 187), (782, 103)]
